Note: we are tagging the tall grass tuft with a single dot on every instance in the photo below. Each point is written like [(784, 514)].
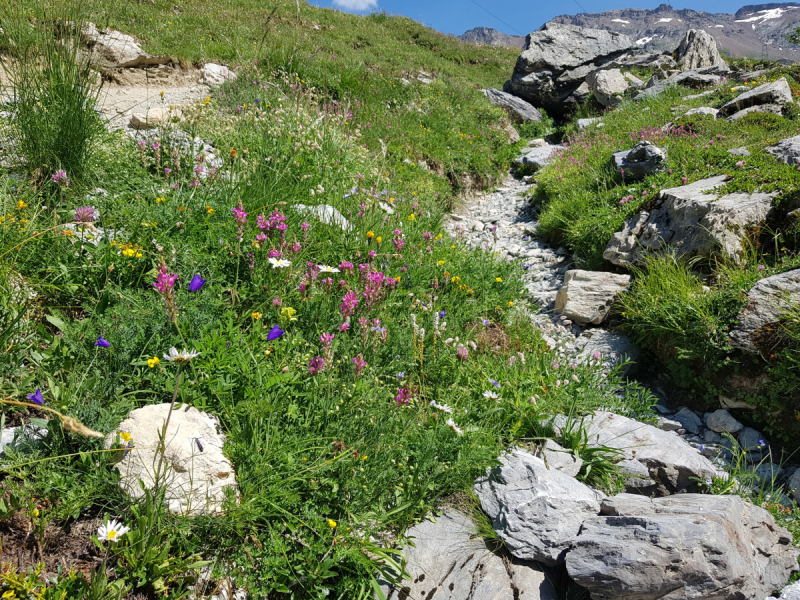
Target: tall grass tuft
[(55, 89)]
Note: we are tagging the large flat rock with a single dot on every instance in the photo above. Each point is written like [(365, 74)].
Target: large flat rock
[(518, 109), (689, 546), (774, 92), (587, 296), (689, 222), (537, 512), (538, 158), (111, 49), (449, 561), (672, 463), (787, 150), (759, 320)]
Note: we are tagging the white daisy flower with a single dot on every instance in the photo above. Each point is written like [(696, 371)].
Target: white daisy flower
[(279, 263), (112, 531), (442, 407), (183, 356), (452, 425), (327, 269), (490, 394)]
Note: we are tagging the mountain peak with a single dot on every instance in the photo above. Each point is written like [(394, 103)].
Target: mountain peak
[(486, 36)]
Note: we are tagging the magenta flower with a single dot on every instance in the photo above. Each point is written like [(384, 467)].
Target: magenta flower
[(596, 355), (274, 333), (85, 215), (60, 178), (102, 342), (277, 302), (241, 219), (349, 303), (165, 284), (196, 283), (359, 363), (316, 365), (761, 267), (403, 397), (462, 353), (36, 397)]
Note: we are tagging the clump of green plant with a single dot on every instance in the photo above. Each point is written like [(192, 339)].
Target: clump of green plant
[(55, 91)]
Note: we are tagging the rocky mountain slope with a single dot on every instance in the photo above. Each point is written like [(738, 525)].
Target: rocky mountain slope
[(756, 31), (486, 36)]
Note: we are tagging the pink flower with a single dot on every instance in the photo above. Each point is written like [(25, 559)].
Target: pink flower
[(359, 363), (344, 327), (277, 302), (403, 396), (316, 365), (60, 178), (596, 355), (740, 164), (349, 303), (241, 219), (165, 284), (761, 267), (462, 353), (684, 180)]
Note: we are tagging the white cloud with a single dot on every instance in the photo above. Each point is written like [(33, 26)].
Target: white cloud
[(357, 5)]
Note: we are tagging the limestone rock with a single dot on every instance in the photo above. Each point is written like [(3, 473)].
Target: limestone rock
[(759, 320), (198, 475), (772, 109), (558, 58), (787, 150), (587, 296), (774, 92), (613, 348), (653, 88), (698, 49), (584, 123), (21, 437), (671, 462), (536, 511), (632, 80), (215, 75), (558, 458), (740, 151), (608, 86), (537, 143), (643, 548), (538, 158), (690, 223), (327, 214), (519, 110), (703, 110), (642, 160), (723, 422), (790, 592), (697, 78), (689, 419), (449, 561), (155, 117), (112, 49)]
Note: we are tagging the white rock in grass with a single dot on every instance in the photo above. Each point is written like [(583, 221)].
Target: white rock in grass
[(325, 214), (722, 421), (116, 50), (21, 436), (198, 475), (216, 75), (587, 296), (790, 592), (559, 458)]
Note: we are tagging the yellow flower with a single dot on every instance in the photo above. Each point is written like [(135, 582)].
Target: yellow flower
[(153, 362), (138, 255), (256, 316), (21, 204), (162, 93), (441, 262), (9, 594), (233, 153), (332, 524), (510, 303), (125, 436), (209, 210), (129, 252), (499, 280), (438, 237), (161, 199), (379, 239), (289, 313), (411, 217), (207, 100), (35, 512), (453, 246), (370, 235)]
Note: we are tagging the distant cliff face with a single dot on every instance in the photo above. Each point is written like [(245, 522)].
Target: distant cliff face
[(491, 37), (755, 31)]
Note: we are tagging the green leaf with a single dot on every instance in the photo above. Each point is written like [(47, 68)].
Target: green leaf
[(55, 321)]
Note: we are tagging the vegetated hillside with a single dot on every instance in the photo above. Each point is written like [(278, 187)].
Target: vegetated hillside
[(754, 31), (487, 36)]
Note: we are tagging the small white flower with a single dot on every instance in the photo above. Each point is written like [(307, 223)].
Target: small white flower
[(327, 269), (490, 394), (112, 531), (279, 263), (442, 407), (452, 425), (183, 356)]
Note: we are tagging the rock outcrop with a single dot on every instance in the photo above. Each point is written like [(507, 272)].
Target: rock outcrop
[(689, 222), (518, 110), (111, 49), (539, 157), (642, 160), (759, 321), (196, 473), (774, 92), (215, 75), (536, 511), (448, 560), (698, 49), (608, 86), (787, 150), (550, 73), (613, 349), (587, 296), (685, 546), (670, 461)]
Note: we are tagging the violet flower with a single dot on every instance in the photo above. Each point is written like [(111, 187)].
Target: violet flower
[(196, 283), (275, 333), (101, 342), (36, 397), (60, 178), (85, 215)]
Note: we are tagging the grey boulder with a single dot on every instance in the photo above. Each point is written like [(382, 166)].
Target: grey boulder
[(608, 86), (584, 123), (558, 458), (612, 348), (787, 150), (538, 158), (449, 561), (111, 49), (670, 461), (642, 160), (772, 109), (587, 296), (550, 73), (519, 110), (774, 92), (698, 49), (537, 512), (697, 78), (703, 110), (689, 222), (758, 326), (215, 75), (688, 546), (790, 592), (722, 421), (689, 419), (654, 87)]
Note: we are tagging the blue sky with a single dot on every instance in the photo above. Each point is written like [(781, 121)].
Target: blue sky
[(517, 17)]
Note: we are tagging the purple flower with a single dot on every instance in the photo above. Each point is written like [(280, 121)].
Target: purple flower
[(101, 342), (495, 384), (359, 363), (60, 178), (403, 396), (197, 283), (443, 314), (274, 333), (462, 353), (761, 267), (596, 355), (485, 322), (316, 365), (36, 397), (85, 214)]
